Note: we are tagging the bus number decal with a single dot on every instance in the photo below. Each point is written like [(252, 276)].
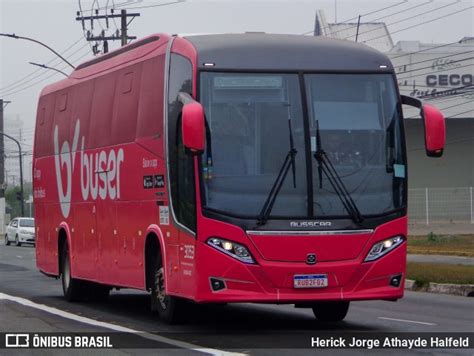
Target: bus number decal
[(189, 252)]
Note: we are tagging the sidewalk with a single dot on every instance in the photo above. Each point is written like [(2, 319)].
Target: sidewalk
[(441, 259)]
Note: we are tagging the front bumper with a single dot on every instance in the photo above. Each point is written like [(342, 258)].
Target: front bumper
[(26, 238), (272, 282)]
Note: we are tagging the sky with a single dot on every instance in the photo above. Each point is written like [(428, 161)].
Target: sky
[(53, 22)]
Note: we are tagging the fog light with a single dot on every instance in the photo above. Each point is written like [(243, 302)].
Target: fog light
[(217, 284), (395, 280), (233, 249), (383, 247)]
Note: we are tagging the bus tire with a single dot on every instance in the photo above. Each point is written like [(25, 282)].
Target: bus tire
[(169, 308), (72, 287), (330, 311), (7, 241)]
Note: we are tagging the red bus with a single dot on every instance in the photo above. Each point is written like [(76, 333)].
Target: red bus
[(227, 168)]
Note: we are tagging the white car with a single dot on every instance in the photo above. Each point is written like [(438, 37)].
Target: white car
[(20, 230)]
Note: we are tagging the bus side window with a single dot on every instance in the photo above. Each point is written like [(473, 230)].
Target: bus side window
[(181, 164), (124, 117)]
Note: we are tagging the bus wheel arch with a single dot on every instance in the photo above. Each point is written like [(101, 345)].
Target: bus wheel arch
[(152, 248), (62, 239), (72, 287), (169, 308)]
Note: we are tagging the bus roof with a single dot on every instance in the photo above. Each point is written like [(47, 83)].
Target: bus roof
[(245, 51), (259, 51)]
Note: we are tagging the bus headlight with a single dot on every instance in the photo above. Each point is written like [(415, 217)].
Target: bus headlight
[(233, 249), (383, 247)]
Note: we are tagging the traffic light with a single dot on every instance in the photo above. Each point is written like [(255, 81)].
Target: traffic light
[(19, 196)]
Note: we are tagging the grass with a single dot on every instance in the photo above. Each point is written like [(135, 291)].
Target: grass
[(432, 244), (423, 273)]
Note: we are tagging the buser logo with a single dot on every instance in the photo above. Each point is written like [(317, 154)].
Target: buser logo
[(310, 223), (100, 171)]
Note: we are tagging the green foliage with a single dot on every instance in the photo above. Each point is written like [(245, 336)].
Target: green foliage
[(13, 204), (431, 244), (424, 273), (432, 237)]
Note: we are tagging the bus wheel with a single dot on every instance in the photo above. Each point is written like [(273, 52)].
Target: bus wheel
[(72, 288), (330, 311), (7, 241), (167, 306)]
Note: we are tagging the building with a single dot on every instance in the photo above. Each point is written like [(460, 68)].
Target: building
[(13, 126), (442, 75)]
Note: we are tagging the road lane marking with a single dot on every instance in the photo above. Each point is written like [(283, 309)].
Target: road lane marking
[(85, 320), (407, 321), (19, 257)]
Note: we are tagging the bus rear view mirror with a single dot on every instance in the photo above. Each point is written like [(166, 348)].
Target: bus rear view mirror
[(193, 127), (435, 130), (434, 124)]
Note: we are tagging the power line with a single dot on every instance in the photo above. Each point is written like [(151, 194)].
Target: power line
[(457, 105), (450, 92), (433, 72), (449, 97), (422, 23), (462, 113), (411, 53), (426, 86), (122, 35), (446, 144), (116, 6), (428, 67), (366, 14), (113, 18), (437, 101), (403, 20), (431, 48), (40, 70), (157, 5), (21, 87), (41, 80), (382, 17), (449, 107), (433, 59)]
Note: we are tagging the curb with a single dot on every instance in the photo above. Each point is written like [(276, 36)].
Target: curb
[(465, 290)]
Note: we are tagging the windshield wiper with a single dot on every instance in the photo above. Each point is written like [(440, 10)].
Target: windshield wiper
[(325, 166), (390, 145), (280, 179)]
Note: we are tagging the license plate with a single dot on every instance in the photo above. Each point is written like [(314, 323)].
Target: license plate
[(310, 281)]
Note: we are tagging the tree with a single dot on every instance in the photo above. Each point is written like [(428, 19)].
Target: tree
[(12, 199)]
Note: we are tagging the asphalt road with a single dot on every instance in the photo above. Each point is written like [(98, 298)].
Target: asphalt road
[(235, 328)]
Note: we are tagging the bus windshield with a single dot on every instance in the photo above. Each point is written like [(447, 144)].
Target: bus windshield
[(252, 119)]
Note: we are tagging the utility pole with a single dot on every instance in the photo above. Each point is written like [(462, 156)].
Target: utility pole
[(19, 196), (123, 27), (120, 35), (3, 104)]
